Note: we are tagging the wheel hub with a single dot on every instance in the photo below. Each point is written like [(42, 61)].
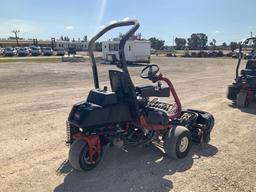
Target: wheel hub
[(183, 144)]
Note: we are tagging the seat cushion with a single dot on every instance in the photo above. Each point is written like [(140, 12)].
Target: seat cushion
[(140, 87)]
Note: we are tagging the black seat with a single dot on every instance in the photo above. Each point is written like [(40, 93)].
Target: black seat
[(139, 88), (153, 91), (122, 85), (118, 82)]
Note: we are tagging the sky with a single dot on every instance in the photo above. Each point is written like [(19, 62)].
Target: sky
[(223, 20)]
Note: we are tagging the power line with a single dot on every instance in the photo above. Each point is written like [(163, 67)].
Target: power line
[(16, 36)]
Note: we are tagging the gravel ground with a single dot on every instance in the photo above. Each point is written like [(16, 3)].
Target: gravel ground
[(36, 99)]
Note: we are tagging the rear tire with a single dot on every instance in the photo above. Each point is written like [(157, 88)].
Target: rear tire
[(177, 142), (242, 100), (78, 156)]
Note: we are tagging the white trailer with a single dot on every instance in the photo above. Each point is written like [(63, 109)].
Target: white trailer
[(136, 51)]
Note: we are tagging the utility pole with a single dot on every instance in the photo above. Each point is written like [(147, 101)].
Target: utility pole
[(16, 36), (173, 41)]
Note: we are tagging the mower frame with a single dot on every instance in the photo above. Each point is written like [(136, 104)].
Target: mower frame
[(243, 90), (127, 115)]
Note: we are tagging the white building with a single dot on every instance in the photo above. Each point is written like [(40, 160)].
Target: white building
[(79, 45), (135, 51)]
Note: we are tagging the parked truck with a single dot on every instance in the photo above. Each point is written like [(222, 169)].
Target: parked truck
[(136, 51)]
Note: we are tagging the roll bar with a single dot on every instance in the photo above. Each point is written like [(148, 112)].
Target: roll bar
[(244, 42), (123, 65)]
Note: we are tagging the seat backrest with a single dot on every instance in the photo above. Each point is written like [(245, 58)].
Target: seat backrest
[(117, 81), (251, 64), (122, 85)]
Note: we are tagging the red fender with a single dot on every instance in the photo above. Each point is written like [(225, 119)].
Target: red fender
[(93, 142)]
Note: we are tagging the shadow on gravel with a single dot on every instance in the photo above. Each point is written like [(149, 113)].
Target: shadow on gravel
[(251, 109), (137, 169)]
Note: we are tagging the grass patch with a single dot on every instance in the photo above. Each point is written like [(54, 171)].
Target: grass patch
[(39, 59), (97, 59), (34, 59), (180, 54)]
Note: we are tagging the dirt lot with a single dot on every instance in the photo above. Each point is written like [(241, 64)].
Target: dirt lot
[(35, 101)]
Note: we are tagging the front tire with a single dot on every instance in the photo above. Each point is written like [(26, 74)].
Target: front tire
[(177, 142), (79, 156)]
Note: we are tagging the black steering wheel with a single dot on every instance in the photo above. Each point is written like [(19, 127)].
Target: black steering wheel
[(149, 71)]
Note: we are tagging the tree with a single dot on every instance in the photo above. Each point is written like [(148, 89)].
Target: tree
[(156, 43), (121, 35), (138, 36), (214, 42), (224, 44), (233, 45), (11, 38), (66, 38), (197, 41), (16, 36), (85, 38), (61, 38), (180, 43), (98, 46)]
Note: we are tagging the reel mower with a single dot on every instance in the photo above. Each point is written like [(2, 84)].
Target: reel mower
[(131, 115), (243, 90)]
